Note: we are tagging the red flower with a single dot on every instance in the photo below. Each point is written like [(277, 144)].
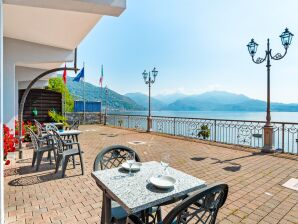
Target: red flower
[(7, 162)]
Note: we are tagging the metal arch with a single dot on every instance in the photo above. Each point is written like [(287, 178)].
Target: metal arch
[(24, 97)]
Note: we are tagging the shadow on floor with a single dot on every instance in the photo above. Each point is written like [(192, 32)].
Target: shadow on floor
[(37, 179), (30, 170), (232, 168), (197, 158)]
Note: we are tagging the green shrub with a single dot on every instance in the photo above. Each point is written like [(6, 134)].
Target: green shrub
[(204, 131)]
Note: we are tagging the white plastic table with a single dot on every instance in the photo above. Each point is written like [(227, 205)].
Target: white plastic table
[(135, 193)]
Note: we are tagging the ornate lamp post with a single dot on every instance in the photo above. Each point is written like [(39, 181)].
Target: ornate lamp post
[(106, 108), (286, 39), (149, 81)]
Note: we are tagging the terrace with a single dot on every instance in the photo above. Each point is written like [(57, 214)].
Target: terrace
[(255, 179)]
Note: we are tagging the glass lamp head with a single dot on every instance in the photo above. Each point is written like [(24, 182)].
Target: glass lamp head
[(145, 75), (286, 38), (154, 72), (252, 47)]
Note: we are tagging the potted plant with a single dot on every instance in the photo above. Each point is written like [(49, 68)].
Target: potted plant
[(204, 132), (120, 122)]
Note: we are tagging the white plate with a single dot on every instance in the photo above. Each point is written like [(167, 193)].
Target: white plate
[(163, 182), (135, 167)]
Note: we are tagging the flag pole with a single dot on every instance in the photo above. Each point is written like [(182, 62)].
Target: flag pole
[(101, 87), (65, 101), (84, 94)]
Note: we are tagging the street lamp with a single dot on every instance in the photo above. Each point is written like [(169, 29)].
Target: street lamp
[(106, 108), (286, 39), (149, 81)]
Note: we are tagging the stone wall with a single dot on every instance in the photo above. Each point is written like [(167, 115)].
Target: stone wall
[(91, 117)]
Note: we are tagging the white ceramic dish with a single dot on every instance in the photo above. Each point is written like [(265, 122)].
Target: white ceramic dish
[(135, 167), (163, 182)]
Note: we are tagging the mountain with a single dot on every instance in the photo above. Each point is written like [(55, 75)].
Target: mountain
[(225, 101), (142, 100), (169, 98), (93, 93)]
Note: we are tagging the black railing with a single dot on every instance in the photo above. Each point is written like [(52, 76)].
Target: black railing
[(238, 132)]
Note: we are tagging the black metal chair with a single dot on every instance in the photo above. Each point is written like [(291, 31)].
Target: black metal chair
[(66, 150), (41, 132), (111, 157), (200, 207), (40, 145), (74, 126)]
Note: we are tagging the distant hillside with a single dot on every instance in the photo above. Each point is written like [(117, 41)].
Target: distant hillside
[(225, 101), (142, 100), (209, 101), (93, 93), (169, 98)]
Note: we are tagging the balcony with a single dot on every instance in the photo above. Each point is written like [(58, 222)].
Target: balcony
[(255, 179)]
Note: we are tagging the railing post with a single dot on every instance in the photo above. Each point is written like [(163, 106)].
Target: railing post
[(174, 126), (215, 130), (283, 138), (149, 124)]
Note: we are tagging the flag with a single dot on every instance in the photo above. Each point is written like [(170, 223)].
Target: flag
[(79, 76), (64, 74), (101, 76)]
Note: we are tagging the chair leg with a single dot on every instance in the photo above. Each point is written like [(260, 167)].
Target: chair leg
[(82, 163), (55, 155), (102, 221), (58, 163), (50, 156), (73, 162), (64, 165), (159, 215), (39, 158), (34, 158)]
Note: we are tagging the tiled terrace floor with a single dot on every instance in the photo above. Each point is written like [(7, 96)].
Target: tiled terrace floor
[(256, 194)]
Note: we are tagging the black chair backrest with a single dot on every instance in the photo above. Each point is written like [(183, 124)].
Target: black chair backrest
[(39, 128), (34, 139), (57, 140), (201, 207), (112, 156), (75, 125)]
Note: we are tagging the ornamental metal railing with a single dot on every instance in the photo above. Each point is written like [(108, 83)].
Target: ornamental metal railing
[(238, 132)]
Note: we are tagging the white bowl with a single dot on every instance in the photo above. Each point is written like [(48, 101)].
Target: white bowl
[(163, 182), (135, 167)]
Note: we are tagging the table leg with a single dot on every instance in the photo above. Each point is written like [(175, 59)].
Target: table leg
[(107, 207)]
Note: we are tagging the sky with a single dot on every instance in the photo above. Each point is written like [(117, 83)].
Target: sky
[(196, 46)]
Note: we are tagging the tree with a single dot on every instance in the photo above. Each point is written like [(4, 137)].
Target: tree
[(57, 84)]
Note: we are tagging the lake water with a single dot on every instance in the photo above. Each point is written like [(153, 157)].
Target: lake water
[(258, 116)]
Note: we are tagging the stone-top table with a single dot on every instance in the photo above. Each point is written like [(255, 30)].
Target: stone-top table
[(70, 133), (135, 193)]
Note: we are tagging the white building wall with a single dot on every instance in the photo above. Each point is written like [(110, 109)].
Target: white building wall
[(17, 52), (1, 118), (24, 76)]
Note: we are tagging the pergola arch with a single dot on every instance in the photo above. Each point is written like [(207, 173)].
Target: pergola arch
[(24, 97)]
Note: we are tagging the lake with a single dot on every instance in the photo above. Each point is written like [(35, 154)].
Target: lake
[(236, 115)]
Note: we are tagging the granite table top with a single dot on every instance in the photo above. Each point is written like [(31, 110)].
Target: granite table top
[(135, 193), (69, 132)]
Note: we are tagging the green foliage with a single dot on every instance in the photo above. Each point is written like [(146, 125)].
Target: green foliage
[(57, 84), (204, 132), (57, 117)]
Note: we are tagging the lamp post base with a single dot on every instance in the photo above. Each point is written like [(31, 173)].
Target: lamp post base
[(105, 119), (149, 124), (268, 139)]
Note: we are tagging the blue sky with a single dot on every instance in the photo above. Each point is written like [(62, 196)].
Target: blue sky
[(196, 46)]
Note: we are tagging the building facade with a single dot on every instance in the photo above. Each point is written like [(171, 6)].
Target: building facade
[(38, 35)]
